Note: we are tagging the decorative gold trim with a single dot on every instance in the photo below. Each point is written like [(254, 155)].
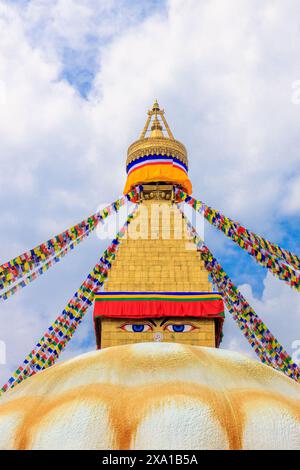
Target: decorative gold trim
[(156, 146), (158, 191)]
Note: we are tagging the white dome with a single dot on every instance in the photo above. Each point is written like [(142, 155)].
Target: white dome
[(153, 396)]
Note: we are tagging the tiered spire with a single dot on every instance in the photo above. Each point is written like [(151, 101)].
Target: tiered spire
[(156, 128), (157, 156)]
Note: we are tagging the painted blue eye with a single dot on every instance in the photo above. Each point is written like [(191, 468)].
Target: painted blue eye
[(178, 328), (174, 328), (138, 328)]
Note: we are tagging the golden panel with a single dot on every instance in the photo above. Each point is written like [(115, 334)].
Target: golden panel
[(152, 258), (199, 332)]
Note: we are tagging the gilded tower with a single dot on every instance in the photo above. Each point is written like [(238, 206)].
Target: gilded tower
[(157, 259)]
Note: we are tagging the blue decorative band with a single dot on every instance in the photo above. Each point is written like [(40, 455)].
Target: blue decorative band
[(156, 159)]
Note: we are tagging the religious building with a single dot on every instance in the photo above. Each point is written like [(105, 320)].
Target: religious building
[(158, 377), (158, 288)]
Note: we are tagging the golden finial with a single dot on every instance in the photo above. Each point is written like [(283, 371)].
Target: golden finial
[(156, 128), (156, 141), (155, 107), (156, 111), (158, 146)]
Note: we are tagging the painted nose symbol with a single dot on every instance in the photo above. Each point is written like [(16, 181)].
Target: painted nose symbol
[(158, 336)]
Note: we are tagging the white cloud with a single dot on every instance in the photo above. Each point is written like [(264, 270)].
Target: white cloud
[(224, 74), (278, 307), (291, 199)]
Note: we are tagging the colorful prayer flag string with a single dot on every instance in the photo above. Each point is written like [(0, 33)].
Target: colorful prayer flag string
[(50, 346), (17, 268), (42, 269), (264, 343), (282, 263)]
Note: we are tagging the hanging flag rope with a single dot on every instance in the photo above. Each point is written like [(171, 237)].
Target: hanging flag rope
[(50, 346), (264, 343), (42, 269), (280, 262), (17, 268)]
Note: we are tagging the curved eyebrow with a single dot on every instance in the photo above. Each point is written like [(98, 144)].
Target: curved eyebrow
[(164, 321), (152, 321)]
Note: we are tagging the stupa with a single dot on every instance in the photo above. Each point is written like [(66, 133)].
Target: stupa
[(158, 379), (165, 294)]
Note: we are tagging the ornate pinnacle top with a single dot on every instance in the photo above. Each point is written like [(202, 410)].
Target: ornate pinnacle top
[(155, 107), (157, 157), (157, 143), (156, 123)]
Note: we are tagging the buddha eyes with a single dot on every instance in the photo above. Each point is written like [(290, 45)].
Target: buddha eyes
[(172, 327), (179, 328), (136, 328)]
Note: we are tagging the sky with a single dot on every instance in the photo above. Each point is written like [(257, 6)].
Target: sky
[(76, 80)]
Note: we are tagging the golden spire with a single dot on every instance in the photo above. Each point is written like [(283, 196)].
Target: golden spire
[(158, 145), (155, 107), (157, 142), (156, 128), (156, 124)]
